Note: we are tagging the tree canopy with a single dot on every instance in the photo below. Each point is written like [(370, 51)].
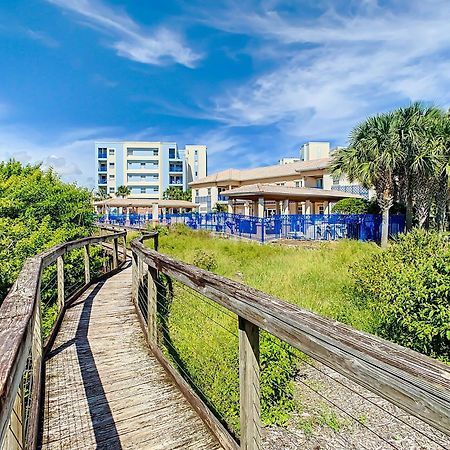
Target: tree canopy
[(405, 156), (123, 191), (175, 193), (37, 211)]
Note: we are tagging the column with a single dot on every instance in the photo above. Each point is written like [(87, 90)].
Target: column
[(308, 207), (261, 207), (286, 207), (155, 212), (326, 207), (230, 206), (246, 208)]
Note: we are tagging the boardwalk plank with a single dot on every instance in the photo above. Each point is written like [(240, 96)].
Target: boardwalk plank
[(105, 390)]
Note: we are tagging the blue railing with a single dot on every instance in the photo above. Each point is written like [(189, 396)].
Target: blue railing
[(352, 189), (311, 227)]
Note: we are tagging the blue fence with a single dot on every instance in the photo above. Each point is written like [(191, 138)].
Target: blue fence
[(313, 227)]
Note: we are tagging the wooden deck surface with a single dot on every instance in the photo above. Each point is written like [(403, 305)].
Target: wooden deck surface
[(105, 390)]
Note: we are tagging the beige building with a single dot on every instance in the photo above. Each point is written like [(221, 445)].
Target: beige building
[(298, 187)]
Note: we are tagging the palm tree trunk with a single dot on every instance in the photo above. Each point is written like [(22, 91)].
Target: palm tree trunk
[(385, 227), (409, 211), (442, 204)]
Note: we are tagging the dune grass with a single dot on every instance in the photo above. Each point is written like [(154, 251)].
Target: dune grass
[(313, 278), (200, 336)]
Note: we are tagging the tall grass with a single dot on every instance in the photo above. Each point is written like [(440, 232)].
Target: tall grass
[(199, 341), (313, 277)]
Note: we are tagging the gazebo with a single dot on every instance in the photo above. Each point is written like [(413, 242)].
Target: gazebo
[(259, 199), (143, 206)]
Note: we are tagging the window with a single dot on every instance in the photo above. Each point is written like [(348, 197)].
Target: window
[(111, 165), (321, 209), (112, 190), (112, 151), (196, 153), (209, 191), (111, 177), (172, 153), (142, 165), (143, 190), (319, 183), (196, 192), (196, 173)]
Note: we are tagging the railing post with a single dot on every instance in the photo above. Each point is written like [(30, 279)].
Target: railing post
[(115, 253), (249, 385), (14, 439), (124, 247), (152, 294), (135, 276), (60, 277), (87, 268)]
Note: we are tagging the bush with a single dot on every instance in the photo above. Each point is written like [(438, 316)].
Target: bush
[(205, 260), (351, 206), (407, 287)]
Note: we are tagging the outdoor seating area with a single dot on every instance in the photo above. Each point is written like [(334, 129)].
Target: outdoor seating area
[(311, 227)]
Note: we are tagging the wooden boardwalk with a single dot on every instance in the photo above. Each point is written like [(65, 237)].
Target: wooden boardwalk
[(105, 390)]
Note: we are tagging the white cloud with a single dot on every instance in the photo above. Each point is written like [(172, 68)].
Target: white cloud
[(70, 154), (157, 47), (338, 68)]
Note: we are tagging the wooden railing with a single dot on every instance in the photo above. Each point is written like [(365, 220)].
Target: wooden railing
[(22, 344), (415, 383)]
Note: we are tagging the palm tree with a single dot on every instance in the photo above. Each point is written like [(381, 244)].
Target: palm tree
[(372, 158), (415, 130), (123, 191), (441, 142)]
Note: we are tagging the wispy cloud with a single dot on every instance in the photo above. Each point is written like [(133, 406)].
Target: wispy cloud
[(339, 67), (41, 37), (129, 39)]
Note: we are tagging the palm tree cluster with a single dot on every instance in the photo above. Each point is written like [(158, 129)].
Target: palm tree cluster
[(404, 155)]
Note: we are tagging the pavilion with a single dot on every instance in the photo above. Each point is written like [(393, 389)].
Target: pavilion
[(265, 199), (143, 206)]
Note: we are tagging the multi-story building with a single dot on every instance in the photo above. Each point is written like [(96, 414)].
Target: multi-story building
[(304, 182), (147, 168)]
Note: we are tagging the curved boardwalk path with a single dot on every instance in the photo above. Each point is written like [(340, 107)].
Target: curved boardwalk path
[(105, 390)]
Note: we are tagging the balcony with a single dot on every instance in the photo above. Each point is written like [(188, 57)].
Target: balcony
[(176, 169), (102, 155), (222, 198)]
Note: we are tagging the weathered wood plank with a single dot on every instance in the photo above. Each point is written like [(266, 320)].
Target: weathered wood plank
[(104, 389), (250, 405), (17, 327), (412, 381)]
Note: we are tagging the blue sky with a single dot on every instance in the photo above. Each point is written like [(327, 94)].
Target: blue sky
[(252, 80)]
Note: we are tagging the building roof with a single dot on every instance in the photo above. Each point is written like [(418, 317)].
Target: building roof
[(274, 192), (261, 173), (119, 202)]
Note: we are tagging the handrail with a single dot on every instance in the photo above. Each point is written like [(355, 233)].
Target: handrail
[(412, 381), (20, 334)]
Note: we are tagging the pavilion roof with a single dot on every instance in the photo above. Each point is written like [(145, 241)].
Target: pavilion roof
[(276, 192), (261, 173)]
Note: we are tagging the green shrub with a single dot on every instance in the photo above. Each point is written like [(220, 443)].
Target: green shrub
[(205, 260), (407, 288), (350, 206)]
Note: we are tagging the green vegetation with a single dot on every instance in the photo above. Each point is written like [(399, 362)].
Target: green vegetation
[(351, 206), (200, 336), (123, 191), (177, 193), (407, 289), (37, 211), (404, 155)]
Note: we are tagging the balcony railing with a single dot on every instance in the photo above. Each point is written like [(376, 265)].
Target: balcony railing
[(102, 169), (102, 155), (352, 189), (222, 198), (175, 169)]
